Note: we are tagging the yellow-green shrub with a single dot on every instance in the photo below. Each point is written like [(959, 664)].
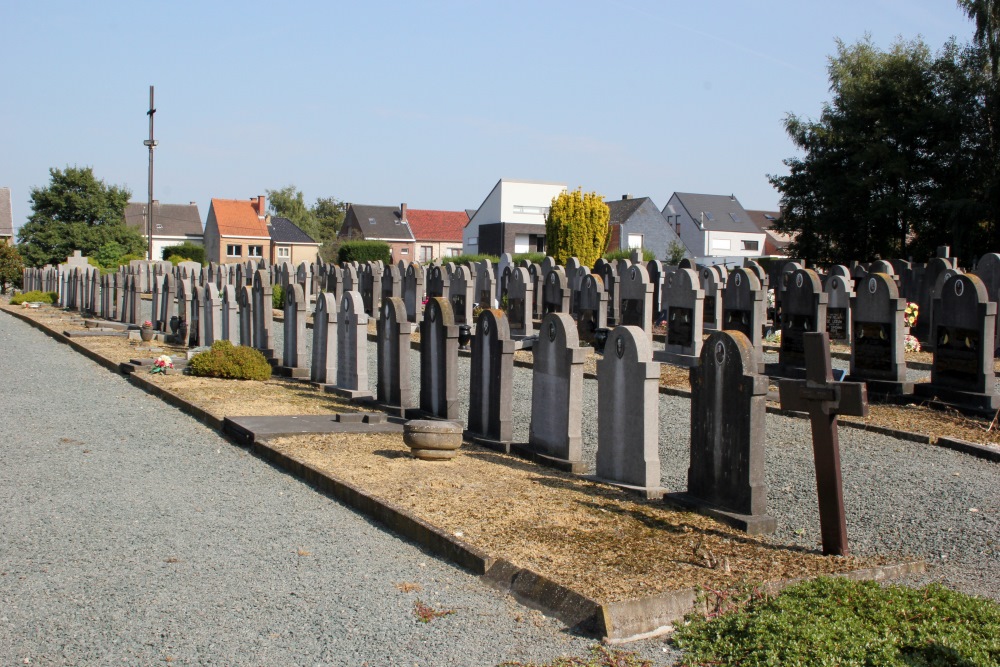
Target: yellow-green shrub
[(35, 296), (577, 226), (230, 362)]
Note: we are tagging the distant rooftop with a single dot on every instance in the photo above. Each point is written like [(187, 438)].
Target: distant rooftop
[(169, 219)]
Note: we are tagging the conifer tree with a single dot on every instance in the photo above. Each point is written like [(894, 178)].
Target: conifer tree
[(577, 226)]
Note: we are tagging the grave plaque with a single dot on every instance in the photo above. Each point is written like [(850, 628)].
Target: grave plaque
[(682, 298)]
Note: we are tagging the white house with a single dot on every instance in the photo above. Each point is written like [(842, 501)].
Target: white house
[(714, 227), (173, 224), (511, 218)]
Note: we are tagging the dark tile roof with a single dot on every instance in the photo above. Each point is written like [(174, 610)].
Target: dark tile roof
[(718, 213), (6, 216), (284, 230), (623, 209), (169, 219), (380, 222)]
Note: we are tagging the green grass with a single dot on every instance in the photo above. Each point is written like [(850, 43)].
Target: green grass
[(834, 621)]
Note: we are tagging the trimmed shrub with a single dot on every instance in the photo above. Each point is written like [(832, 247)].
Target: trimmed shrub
[(364, 251), (533, 257), (35, 296), (614, 255), (230, 362), (471, 259), (278, 297), (577, 226), (187, 251)]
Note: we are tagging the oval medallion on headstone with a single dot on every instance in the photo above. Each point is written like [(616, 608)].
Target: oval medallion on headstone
[(720, 352), (386, 311), (872, 286), (670, 280), (798, 280), (739, 279), (633, 273), (345, 305), (486, 326), (836, 284), (433, 313), (552, 278), (959, 287), (620, 347), (552, 331)]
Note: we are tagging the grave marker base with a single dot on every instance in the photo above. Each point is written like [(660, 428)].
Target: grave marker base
[(353, 394), (294, 372), (964, 401), (684, 360), (883, 388), (647, 492), (495, 445), (525, 451), (752, 524)]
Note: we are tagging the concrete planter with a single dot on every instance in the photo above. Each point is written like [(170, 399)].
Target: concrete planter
[(146, 334), (432, 440)]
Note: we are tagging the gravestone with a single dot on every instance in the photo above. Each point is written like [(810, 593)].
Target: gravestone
[(323, 370), (574, 276), (197, 318), (592, 308), (183, 335), (352, 348), (535, 275), (230, 314), (392, 282), (654, 269), (758, 270), (744, 309), (519, 299), (294, 348), (628, 413), (683, 297), (168, 302), (636, 302), (555, 433), (211, 315), (925, 295), (439, 360), (839, 291), (245, 295), (962, 371), (930, 314), (556, 296), (438, 282), (988, 270), (491, 376), (877, 356), (393, 389), (462, 295), (349, 281), (504, 266), (728, 411), (413, 292), (824, 399), (712, 286), (485, 285), (803, 311), (263, 314)]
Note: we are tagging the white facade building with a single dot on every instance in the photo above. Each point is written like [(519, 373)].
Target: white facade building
[(511, 218), (714, 226)]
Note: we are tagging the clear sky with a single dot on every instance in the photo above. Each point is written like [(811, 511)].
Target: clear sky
[(428, 103)]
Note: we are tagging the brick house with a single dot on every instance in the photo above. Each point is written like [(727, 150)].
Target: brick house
[(380, 223), (438, 234)]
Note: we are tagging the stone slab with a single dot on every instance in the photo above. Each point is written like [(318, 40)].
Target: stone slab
[(750, 524), (94, 333), (249, 430)]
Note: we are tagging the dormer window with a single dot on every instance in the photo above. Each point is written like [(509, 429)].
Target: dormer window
[(371, 221)]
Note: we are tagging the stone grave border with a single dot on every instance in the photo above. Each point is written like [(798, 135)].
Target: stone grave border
[(614, 622)]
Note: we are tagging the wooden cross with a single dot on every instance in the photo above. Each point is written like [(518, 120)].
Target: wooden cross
[(824, 399)]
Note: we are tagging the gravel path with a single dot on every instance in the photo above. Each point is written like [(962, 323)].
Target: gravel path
[(134, 535)]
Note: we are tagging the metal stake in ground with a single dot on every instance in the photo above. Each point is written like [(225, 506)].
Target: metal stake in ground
[(824, 399)]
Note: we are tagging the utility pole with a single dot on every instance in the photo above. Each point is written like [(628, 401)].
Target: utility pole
[(151, 143)]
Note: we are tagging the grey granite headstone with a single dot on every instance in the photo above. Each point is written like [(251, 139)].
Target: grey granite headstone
[(728, 410), (394, 331), (462, 295), (439, 360), (230, 314), (352, 348), (628, 413), (197, 320), (803, 310), (744, 309), (323, 369), (491, 376), (519, 299), (294, 348), (839, 291), (263, 313), (506, 261), (438, 282), (988, 270), (636, 299), (592, 307), (683, 299), (609, 276), (485, 285), (413, 292), (556, 296), (245, 295), (712, 286), (211, 314), (555, 433), (877, 357)]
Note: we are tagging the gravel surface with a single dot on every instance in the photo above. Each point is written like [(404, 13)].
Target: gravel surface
[(134, 535)]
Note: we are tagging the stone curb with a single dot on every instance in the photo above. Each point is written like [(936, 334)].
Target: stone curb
[(615, 622)]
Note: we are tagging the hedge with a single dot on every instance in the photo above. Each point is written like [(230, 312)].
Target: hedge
[(364, 251)]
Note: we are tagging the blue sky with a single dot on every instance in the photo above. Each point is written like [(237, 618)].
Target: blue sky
[(426, 103)]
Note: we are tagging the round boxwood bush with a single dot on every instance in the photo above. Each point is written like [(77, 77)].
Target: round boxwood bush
[(231, 362), (35, 296)]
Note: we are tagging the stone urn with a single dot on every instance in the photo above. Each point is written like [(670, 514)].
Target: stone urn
[(464, 336), (432, 440), (175, 322), (146, 333)]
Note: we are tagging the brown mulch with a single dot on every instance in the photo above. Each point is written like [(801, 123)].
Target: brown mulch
[(590, 537)]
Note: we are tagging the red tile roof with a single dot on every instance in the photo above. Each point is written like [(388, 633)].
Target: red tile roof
[(238, 217), (437, 225)]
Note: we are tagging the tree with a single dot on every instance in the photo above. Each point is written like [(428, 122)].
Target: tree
[(676, 251), (577, 226), (11, 267), (76, 212), (898, 161), (321, 221)]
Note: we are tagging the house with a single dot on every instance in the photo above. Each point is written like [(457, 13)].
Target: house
[(511, 218), (290, 244), (236, 230), (380, 223), (173, 224), (636, 222), (715, 228), (775, 243), (6, 218), (438, 234)]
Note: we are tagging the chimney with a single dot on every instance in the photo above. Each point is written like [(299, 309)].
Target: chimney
[(626, 196), (156, 202), (402, 212), (194, 203), (260, 205), (732, 197)]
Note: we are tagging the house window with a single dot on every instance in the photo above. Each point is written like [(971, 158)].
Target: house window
[(721, 244), (234, 250), (678, 225), (634, 241), (473, 240), (404, 251), (426, 253), (750, 245), (371, 221), (455, 252), (255, 251), (531, 210), (284, 252)]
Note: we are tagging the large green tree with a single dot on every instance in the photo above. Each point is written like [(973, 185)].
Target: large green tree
[(11, 267), (577, 226), (321, 221), (898, 161), (76, 212)]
